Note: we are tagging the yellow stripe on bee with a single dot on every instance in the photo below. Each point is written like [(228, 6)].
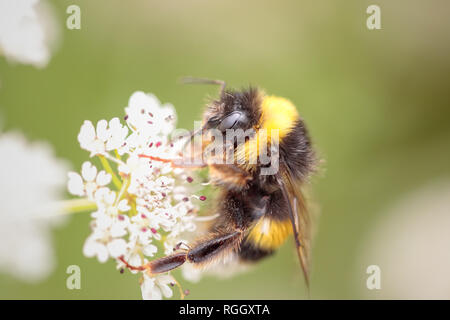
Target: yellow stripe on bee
[(277, 113), (269, 234)]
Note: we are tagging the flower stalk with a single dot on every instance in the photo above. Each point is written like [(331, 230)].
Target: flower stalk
[(108, 169), (77, 205)]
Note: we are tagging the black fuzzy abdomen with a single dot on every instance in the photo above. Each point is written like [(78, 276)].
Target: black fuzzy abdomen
[(249, 253)]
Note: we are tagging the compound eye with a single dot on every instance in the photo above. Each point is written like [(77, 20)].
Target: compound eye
[(231, 120)]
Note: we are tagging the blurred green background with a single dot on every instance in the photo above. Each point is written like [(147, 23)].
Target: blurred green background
[(376, 103)]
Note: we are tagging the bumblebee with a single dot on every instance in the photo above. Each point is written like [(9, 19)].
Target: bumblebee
[(257, 212)]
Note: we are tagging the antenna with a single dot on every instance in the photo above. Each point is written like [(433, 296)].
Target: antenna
[(193, 80)]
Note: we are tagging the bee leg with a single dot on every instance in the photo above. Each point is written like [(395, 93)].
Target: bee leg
[(166, 263), (206, 250), (221, 240), (202, 252), (161, 265), (179, 244)]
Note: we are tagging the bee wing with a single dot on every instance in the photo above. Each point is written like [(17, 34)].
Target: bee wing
[(300, 220)]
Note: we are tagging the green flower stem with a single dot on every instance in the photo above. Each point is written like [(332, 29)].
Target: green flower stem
[(108, 169), (133, 211), (77, 205), (124, 188), (116, 153)]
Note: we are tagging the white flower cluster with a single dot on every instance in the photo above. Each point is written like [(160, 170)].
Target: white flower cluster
[(143, 206), (28, 31), (32, 181)]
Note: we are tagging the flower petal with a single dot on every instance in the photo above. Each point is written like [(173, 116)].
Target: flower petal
[(102, 131), (103, 178), (149, 250), (117, 248), (149, 290), (118, 229), (75, 184), (162, 281), (88, 171), (86, 135), (123, 205), (93, 248)]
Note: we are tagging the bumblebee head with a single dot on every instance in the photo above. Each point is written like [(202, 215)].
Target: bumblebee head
[(234, 110), (275, 122)]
